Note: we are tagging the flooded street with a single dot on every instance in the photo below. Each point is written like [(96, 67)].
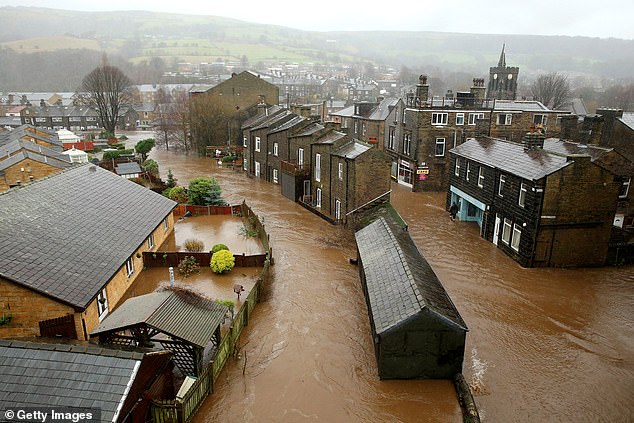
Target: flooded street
[(544, 344)]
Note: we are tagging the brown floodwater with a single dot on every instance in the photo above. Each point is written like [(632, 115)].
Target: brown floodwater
[(544, 344)]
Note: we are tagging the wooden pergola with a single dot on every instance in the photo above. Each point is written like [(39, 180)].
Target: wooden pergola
[(180, 321)]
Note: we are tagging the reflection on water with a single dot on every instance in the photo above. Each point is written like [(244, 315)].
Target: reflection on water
[(544, 344)]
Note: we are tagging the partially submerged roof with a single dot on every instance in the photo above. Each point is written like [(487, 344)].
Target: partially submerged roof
[(34, 374), (179, 314), (68, 234), (511, 157), (399, 281)]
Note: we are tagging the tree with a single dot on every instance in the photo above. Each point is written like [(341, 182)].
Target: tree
[(171, 180), (143, 147), (151, 167), (110, 91), (552, 90), (207, 122), (205, 192)]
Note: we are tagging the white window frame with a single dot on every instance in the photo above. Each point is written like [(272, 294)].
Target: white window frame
[(440, 142), (625, 188), (468, 171), (340, 171), (318, 198), (244, 164), (522, 198), (257, 144), (300, 156), (506, 231), (275, 149), (504, 119), (166, 225), (129, 266), (517, 235), (150, 241), (102, 304), (407, 143), (473, 117), (338, 209), (542, 117), (317, 167), (456, 169), (501, 185), (439, 118), (275, 176), (257, 169), (244, 141), (459, 119), (481, 176), (391, 138)]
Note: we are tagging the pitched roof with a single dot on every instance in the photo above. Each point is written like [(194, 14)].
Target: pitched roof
[(628, 120), (66, 235), (331, 137), (295, 121), (60, 163), (309, 130), (179, 314), (352, 150), (511, 157), (12, 147), (23, 131), (399, 281), (34, 374), (261, 117), (127, 168)]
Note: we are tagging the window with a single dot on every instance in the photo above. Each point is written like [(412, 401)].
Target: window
[(459, 118), (540, 119), (338, 209), (91, 118), (318, 167), (275, 175), (57, 119), (166, 225), (407, 142), (257, 143), (439, 118), (129, 266), (440, 147), (506, 231), (625, 188), (468, 173), (300, 157), (244, 164), (340, 172), (481, 177), (391, 137), (318, 199), (74, 119), (257, 169), (150, 241), (475, 116), (523, 189), (40, 119), (275, 149), (244, 142), (102, 304), (457, 167), (501, 185), (517, 235), (504, 119)]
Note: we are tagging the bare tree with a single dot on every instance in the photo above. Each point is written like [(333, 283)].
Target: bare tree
[(208, 124), (552, 90), (109, 90)]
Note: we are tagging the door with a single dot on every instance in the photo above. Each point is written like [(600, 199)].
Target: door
[(337, 209), (318, 200), (306, 188), (496, 229)]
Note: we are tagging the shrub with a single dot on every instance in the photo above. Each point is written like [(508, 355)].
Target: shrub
[(205, 192), (230, 304), (194, 245), (178, 194), (187, 266), (218, 247), (222, 261)]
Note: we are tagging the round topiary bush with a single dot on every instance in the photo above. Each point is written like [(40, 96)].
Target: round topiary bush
[(218, 247), (222, 261)]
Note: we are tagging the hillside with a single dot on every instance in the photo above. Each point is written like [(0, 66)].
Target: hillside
[(32, 37)]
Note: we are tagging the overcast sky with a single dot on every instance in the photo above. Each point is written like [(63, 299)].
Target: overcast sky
[(606, 18)]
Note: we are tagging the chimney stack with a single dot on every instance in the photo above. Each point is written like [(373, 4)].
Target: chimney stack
[(570, 128), (593, 126), (422, 90), (533, 140), (478, 89)]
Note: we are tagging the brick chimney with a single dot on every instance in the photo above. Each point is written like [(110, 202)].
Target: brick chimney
[(570, 127), (478, 89), (610, 116), (422, 89), (533, 140), (592, 129)]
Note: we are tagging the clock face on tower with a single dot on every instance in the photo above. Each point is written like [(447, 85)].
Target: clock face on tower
[(495, 76), (510, 76)]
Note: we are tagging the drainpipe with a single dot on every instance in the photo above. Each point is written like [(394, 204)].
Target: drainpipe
[(539, 192), (347, 186)]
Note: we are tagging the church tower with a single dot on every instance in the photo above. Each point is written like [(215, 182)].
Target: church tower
[(502, 80)]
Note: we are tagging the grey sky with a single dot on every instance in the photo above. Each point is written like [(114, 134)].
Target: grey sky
[(608, 18)]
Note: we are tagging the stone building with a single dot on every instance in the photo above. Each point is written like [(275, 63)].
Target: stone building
[(503, 80), (543, 208)]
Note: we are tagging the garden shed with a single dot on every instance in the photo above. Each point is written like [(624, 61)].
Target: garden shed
[(417, 331)]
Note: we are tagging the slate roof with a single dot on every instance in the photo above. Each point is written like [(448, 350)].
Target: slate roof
[(271, 120), (68, 234), (12, 147), (261, 117), (44, 375), (399, 281), (331, 137), (310, 130), (352, 150), (16, 158), (22, 132), (511, 157), (515, 105), (297, 120), (127, 168), (381, 112), (628, 120), (179, 314), (566, 148)]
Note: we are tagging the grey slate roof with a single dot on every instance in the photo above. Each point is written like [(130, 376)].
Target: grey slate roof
[(381, 112), (179, 314), (59, 163), (628, 120), (271, 120), (310, 130), (34, 374), (68, 234), (14, 146), (297, 120), (352, 150), (563, 147), (399, 281), (127, 168), (261, 117), (331, 137), (511, 157)]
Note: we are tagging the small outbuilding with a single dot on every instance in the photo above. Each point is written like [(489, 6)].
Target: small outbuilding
[(128, 170), (417, 331)]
